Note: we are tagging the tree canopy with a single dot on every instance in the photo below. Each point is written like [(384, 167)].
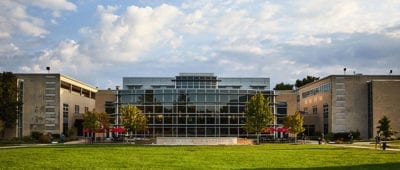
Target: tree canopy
[(96, 121), (259, 115), (133, 119), (283, 86), (306, 80), (384, 127), (294, 123), (8, 99)]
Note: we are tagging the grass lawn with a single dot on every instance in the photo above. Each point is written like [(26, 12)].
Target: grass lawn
[(197, 157)]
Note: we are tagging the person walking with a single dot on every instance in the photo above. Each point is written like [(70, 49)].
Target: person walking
[(377, 141), (62, 138)]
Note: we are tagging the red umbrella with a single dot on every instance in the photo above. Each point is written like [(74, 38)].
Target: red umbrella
[(118, 129), (282, 129), (269, 130), (86, 130)]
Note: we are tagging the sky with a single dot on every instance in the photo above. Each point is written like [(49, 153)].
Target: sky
[(99, 42)]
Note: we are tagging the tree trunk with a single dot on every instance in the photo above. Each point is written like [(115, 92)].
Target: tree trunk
[(258, 138)]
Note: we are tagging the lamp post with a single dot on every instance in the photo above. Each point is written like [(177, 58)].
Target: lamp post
[(117, 109)]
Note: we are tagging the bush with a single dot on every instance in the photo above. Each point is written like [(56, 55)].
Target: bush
[(27, 139), (329, 136), (44, 139), (342, 136), (36, 135)]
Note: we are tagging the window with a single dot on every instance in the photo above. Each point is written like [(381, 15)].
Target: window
[(325, 111), (86, 109), (76, 109), (305, 110), (315, 110), (326, 116), (65, 118), (65, 108)]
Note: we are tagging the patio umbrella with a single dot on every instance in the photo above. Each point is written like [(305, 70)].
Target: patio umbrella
[(282, 129), (118, 130), (269, 130)]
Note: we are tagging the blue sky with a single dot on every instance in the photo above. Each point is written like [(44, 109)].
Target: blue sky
[(99, 42)]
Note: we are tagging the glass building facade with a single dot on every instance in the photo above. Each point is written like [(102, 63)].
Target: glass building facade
[(193, 104)]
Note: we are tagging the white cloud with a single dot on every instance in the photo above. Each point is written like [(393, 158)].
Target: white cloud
[(352, 16), (15, 20), (54, 4), (287, 40), (127, 36), (302, 40)]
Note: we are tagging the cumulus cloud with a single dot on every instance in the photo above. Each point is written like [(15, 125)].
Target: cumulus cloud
[(54, 4), (15, 20), (125, 37), (284, 40)]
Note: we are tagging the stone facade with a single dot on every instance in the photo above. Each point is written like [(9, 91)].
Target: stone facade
[(385, 102), (51, 103), (343, 99)]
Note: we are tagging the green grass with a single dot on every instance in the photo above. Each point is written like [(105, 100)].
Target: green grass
[(197, 157)]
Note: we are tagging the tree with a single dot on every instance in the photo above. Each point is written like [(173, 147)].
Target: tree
[(283, 86), (90, 121), (385, 127), (94, 121), (133, 119), (104, 120), (294, 123), (308, 79), (8, 99), (258, 114)]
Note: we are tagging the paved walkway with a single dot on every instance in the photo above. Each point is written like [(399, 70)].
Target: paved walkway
[(363, 145)]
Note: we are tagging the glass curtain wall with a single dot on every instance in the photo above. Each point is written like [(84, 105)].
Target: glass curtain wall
[(190, 112)]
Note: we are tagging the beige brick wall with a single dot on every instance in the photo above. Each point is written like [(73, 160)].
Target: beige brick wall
[(386, 102), (288, 96)]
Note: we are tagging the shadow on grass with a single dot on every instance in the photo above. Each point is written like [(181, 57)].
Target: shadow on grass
[(366, 166)]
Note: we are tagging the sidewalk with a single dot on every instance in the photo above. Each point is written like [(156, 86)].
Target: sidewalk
[(81, 141), (363, 145)]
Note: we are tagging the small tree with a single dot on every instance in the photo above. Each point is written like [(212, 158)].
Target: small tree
[(294, 123), (385, 127), (104, 120), (258, 114), (90, 122), (133, 119), (96, 121)]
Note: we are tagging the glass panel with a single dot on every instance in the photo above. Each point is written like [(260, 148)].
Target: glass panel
[(234, 131), (224, 119), (224, 131), (168, 109), (191, 109), (201, 119), (224, 109), (200, 109), (182, 119), (210, 119)]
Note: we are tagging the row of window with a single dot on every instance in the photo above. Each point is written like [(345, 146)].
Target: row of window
[(76, 109), (314, 91), (198, 109), (184, 99), (315, 110), (193, 91)]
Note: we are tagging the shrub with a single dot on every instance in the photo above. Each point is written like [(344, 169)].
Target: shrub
[(27, 139), (36, 135), (329, 136), (44, 139)]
